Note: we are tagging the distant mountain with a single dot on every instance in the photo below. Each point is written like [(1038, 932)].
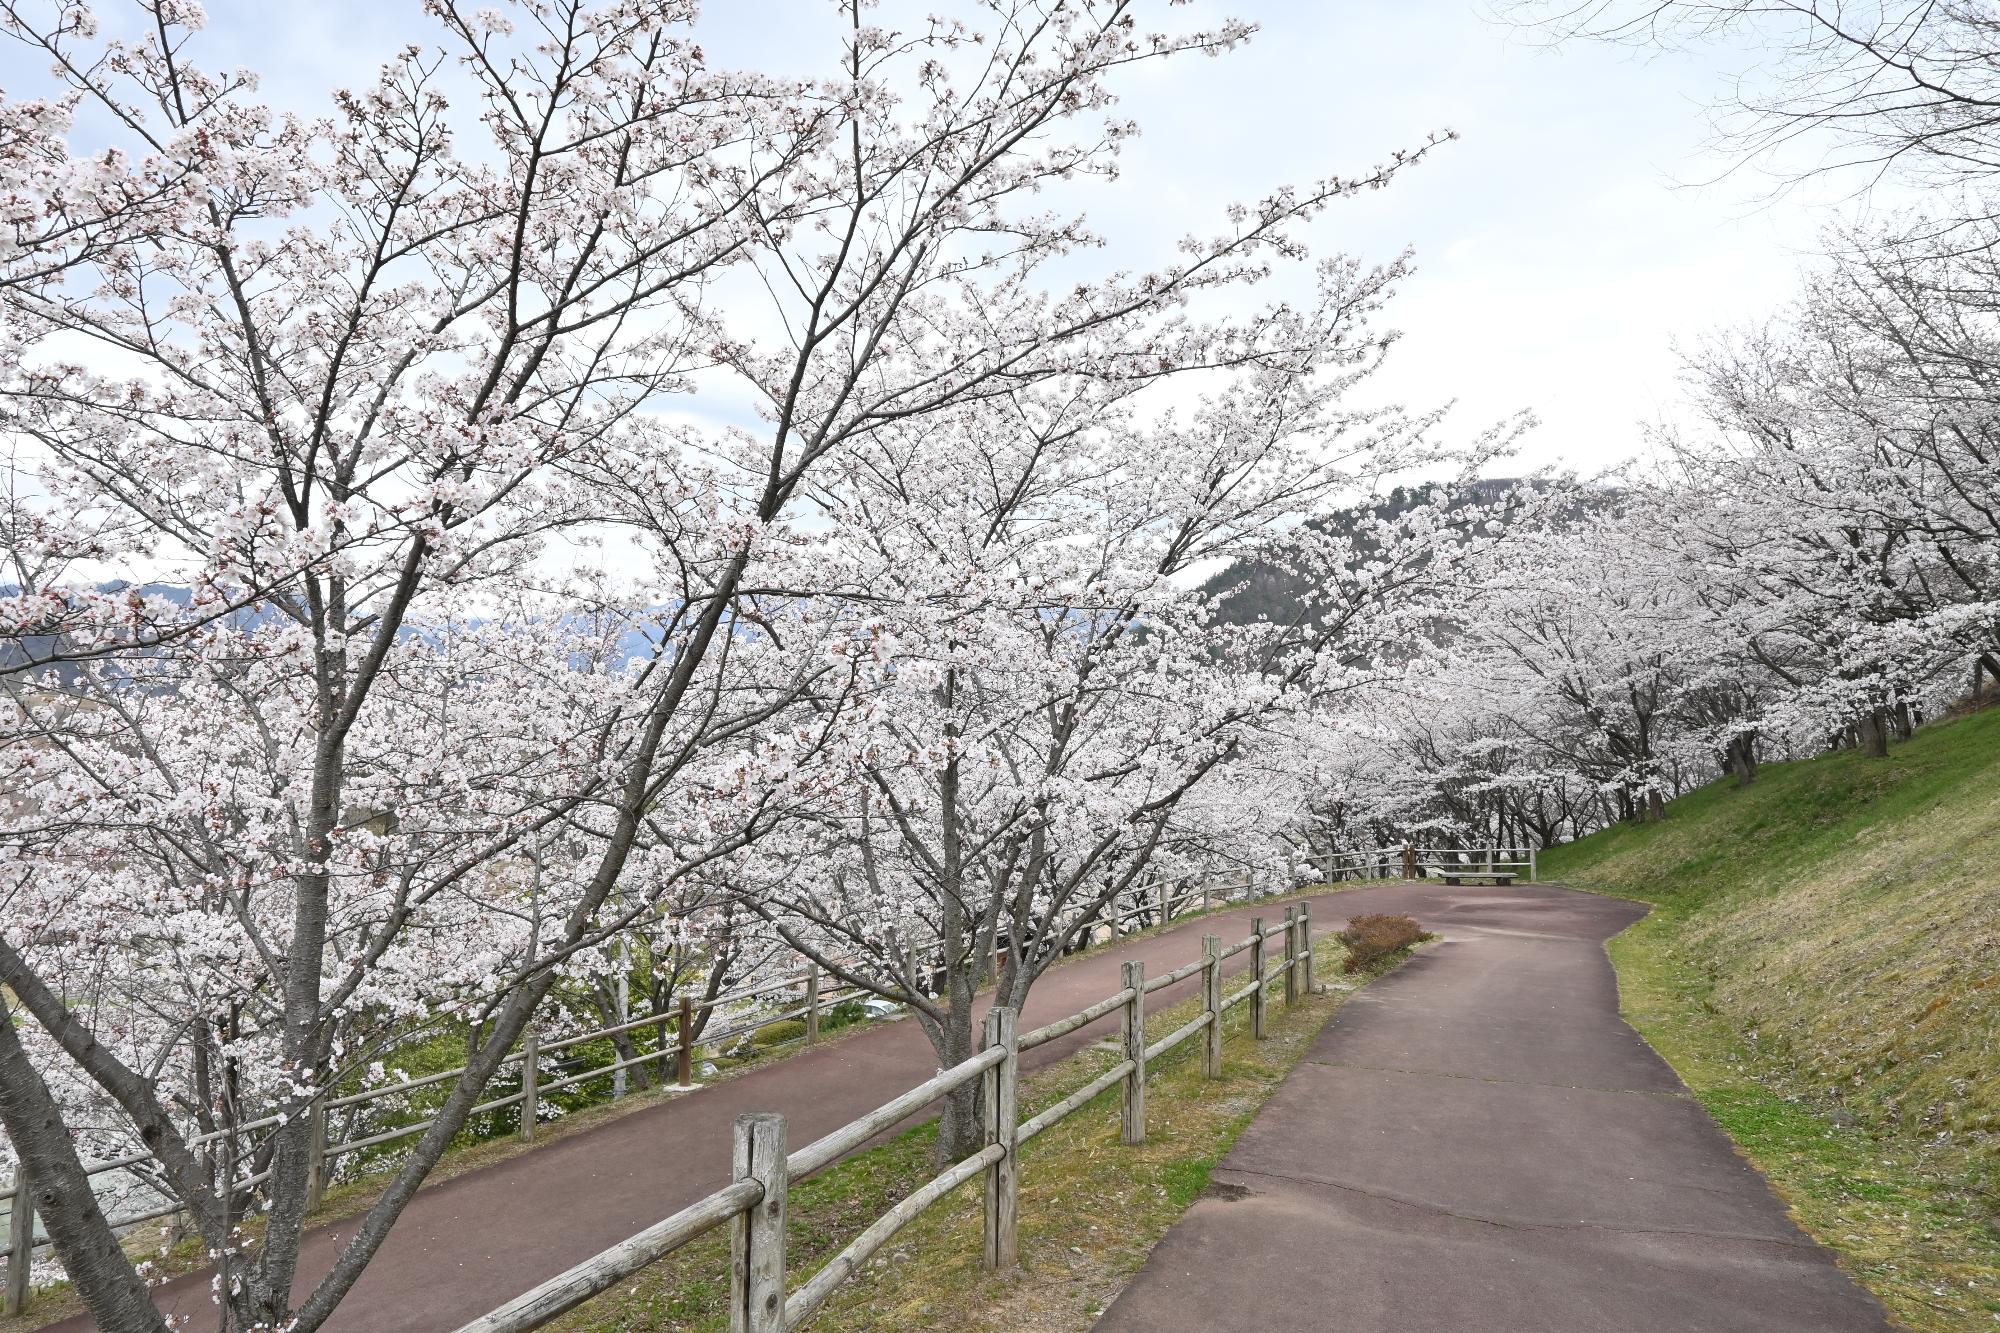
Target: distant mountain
[(1260, 592)]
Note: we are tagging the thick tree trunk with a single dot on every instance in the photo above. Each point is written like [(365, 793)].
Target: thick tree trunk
[(961, 1126), (1740, 758), (112, 1289), (1656, 805), (1874, 729)]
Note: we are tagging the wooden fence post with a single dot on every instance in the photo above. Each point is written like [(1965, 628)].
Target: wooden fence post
[(316, 1151), (20, 1239), (684, 1071), (1133, 1103), (812, 1002), (1257, 976), (1291, 956), (1003, 1127), (1306, 947), (1211, 1003), (531, 1083), (757, 1235), (1166, 902), (1531, 865)]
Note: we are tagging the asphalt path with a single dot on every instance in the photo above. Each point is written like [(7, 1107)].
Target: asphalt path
[(1478, 1141), (471, 1243)]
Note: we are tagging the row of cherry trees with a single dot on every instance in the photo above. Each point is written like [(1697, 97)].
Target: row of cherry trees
[(396, 642), (1808, 559)]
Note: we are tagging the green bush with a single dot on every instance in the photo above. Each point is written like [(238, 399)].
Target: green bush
[(777, 1034), (841, 1015)]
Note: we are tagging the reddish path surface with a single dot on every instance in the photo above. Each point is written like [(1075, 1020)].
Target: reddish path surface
[(469, 1244), (1478, 1141)]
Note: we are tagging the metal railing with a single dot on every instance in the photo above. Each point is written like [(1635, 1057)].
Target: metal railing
[(754, 1202)]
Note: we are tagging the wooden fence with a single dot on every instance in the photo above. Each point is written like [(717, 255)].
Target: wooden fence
[(752, 1205), (1497, 863), (1156, 903)]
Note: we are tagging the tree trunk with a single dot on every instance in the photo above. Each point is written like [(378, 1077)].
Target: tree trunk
[(1874, 731), (1656, 805), (1905, 724), (111, 1288), (1741, 758), (960, 1127)]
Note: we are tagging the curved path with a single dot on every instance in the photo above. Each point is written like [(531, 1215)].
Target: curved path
[(468, 1244), (1478, 1141)]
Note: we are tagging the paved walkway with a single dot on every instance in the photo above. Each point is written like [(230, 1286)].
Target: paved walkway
[(469, 1244), (1479, 1142)]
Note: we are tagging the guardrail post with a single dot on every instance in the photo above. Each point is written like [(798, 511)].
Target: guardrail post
[(757, 1235), (1291, 956), (1211, 1003), (1257, 976), (20, 1239), (1306, 947), (1133, 1025), (531, 1084), (1003, 1128), (812, 1002), (684, 1058), (316, 1151)]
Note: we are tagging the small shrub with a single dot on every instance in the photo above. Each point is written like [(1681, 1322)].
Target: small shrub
[(777, 1034), (842, 1015), (1373, 938)]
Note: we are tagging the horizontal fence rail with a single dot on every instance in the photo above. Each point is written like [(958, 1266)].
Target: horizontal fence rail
[(1503, 864), (753, 1204), (1153, 903), (1157, 902)]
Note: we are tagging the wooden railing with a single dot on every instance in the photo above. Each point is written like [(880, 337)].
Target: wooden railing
[(1157, 903), (754, 1201), (1455, 862)]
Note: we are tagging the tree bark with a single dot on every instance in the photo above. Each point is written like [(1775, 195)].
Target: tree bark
[(1874, 731), (112, 1289)]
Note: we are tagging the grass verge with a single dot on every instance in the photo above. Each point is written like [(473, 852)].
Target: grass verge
[(1091, 1208)]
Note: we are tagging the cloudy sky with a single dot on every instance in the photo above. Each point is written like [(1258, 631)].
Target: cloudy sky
[(1580, 226)]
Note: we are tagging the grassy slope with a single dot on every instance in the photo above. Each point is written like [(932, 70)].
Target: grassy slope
[(1823, 967)]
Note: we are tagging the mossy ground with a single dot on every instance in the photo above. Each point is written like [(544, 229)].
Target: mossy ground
[(1823, 968)]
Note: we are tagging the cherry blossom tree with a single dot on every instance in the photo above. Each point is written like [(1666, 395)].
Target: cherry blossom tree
[(323, 422), (1061, 694)]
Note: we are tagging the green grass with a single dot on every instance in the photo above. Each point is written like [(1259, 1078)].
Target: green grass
[(1823, 968)]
